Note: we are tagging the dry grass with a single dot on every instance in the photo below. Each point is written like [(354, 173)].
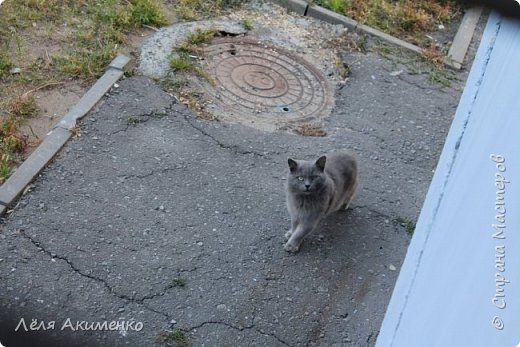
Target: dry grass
[(190, 10), (310, 130), (406, 19), (438, 74), (53, 41), (343, 69), (183, 62), (194, 101), (12, 141), (434, 55), (12, 145), (195, 39), (23, 106)]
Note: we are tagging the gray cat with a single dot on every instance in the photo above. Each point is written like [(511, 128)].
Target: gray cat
[(316, 189)]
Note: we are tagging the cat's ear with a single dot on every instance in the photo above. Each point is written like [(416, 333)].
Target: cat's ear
[(320, 163), (292, 164)]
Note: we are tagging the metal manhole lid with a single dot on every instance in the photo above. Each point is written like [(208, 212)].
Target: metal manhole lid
[(263, 85)]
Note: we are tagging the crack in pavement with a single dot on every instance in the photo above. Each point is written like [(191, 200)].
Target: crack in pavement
[(410, 73), (146, 117), (379, 214), (233, 148), (120, 130), (239, 328), (369, 134), (137, 176), (121, 296), (251, 326), (381, 144), (170, 110), (388, 201)]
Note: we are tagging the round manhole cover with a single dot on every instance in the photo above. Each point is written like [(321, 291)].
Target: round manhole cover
[(263, 85)]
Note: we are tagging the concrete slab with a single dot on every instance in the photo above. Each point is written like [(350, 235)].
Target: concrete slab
[(462, 39), (331, 17), (457, 286)]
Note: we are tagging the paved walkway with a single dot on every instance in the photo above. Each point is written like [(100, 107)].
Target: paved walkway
[(459, 285), (157, 217)]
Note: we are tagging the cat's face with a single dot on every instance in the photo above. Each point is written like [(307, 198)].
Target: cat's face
[(306, 176)]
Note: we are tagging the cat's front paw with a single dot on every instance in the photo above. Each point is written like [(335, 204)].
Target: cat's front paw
[(288, 234), (289, 247)]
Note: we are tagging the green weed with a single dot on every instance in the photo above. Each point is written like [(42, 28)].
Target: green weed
[(186, 13), (181, 63), (441, 76), (406, 223), (201, 35), (339, 6), (133, 120), (86, 63), (177, 282), (191, 45), (247, 24), (5, 64), (175, 338), (362, 44), (196, 38), (148, 12), (5, 168)]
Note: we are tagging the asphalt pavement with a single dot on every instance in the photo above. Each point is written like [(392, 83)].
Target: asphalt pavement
[(153, 218)]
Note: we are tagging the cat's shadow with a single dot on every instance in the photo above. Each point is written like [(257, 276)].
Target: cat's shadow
[(337, 231)]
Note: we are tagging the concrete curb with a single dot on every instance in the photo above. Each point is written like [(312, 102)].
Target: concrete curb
[(458, 48), (92, 96), (331, 17), (58, 136), (334, 18), (462, 39), (297, 6)]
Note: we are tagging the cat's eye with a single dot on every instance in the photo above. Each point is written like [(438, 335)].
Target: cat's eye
[(300, 178)]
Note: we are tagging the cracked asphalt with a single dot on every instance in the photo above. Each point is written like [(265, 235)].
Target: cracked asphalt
[(153, 215)]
